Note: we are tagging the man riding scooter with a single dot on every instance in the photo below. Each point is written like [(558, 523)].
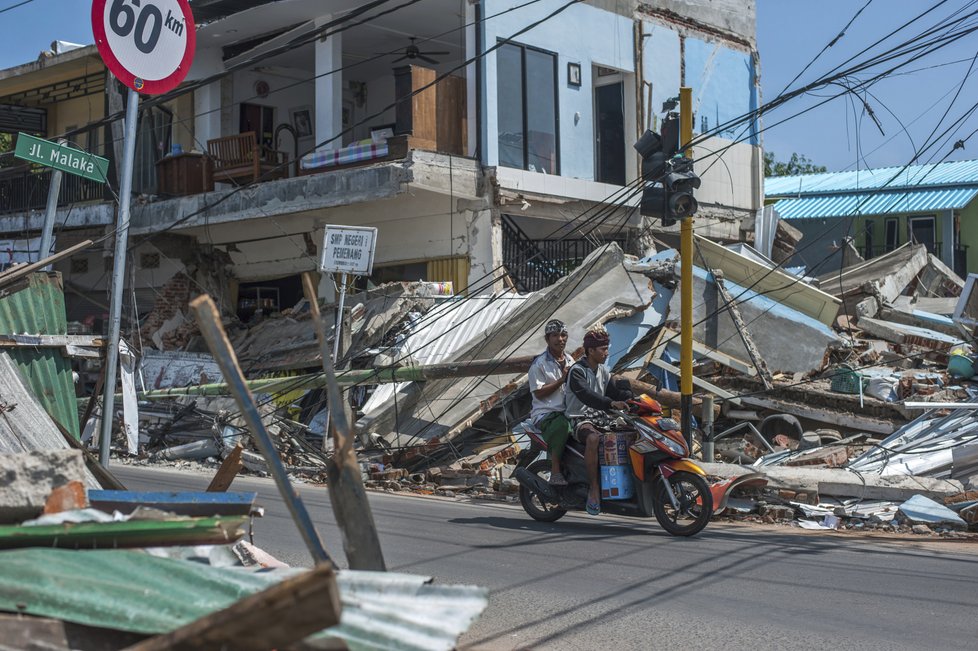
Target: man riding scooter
[(589, 396), (546, 378)]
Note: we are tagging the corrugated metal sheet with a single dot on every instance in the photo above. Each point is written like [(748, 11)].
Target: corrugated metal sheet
[(24, 425), (36, 306), (446, 328), (881, 203), (133, 591), (454, 269), (938, 174)]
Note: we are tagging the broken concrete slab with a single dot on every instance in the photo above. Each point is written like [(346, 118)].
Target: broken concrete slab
[(28, 479), (899, 333), (887, 275), (921, 510), (782, 287), (788, 340), (841, 483)]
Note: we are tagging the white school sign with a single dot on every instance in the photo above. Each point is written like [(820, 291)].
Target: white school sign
[(349, 249)]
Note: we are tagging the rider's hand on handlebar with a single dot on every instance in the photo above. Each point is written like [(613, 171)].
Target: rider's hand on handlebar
[(620, 405)]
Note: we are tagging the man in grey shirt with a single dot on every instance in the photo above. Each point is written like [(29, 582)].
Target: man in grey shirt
[(546, 377)]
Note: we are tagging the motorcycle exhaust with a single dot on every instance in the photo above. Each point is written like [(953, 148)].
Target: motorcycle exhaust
[(535, 484)]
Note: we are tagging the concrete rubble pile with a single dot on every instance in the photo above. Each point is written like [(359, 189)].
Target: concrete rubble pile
[(809, 373)]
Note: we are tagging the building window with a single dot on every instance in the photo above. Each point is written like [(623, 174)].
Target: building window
[(527, 79), (892, 234), (149, 261)]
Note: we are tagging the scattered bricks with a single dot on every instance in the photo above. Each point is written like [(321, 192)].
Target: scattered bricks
[(776, 513), (434, 474), (28, 478), (787, 495), (833, 457), (68, 497), (967, 496)]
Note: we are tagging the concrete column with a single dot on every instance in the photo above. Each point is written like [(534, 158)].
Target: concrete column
[(329, 88), (485, 252), (207, 100), (947, 237)]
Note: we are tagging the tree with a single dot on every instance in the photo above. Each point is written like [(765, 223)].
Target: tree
[(797, 164), (6, 145)]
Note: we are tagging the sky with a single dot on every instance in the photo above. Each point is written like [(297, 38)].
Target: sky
[(790, 33)]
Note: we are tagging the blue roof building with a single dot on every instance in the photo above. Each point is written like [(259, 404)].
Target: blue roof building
[(880, 209)]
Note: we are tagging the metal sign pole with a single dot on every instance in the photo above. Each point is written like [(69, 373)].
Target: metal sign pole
[(336, 351), (118, 277), (47, 231)]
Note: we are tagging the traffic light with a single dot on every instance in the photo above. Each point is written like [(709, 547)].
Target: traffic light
[(669, 178)]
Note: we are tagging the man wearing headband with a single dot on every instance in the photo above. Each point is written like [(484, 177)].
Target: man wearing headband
[(546, 377), (590, 394)]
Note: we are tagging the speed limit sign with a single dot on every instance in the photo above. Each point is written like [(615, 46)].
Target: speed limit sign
[(147, 44)]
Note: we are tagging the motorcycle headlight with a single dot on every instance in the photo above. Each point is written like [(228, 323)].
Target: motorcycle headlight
[(654, 434)]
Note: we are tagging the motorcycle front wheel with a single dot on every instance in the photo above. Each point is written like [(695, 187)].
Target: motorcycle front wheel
[(695, 504), (535, 507)]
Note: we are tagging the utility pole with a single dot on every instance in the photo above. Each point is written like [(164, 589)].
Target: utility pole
[(686, 281)]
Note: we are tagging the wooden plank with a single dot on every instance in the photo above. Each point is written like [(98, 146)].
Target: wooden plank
[(209, 320), (229, 469), (745, 336), (274, 618), (346, 492), (11, 275), (51, 341)]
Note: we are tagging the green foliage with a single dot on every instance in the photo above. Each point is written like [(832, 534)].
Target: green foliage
[(797, 164)]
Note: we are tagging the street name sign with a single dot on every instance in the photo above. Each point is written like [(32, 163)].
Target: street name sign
[(147, 44), (349, 249), (61, 157)]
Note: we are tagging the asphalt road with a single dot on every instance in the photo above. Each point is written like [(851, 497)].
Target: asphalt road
[(622, 583)]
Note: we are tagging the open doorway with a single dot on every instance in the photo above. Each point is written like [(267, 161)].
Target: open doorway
[(609, 126)]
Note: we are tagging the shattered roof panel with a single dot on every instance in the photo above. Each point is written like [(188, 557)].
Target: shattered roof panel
[(951, 173), (134, 591), (599, 289), (880, 203), (445, 329)]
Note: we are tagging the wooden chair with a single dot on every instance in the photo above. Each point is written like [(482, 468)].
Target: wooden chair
[(241, 160)]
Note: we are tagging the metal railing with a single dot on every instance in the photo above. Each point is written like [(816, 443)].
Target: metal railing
[(25, 188), (535, 264)]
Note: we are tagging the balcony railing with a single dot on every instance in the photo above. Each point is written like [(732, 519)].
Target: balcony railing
[(535, 264), (25, 188)]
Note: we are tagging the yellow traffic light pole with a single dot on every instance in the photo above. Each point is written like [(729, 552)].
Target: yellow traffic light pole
[(686, 281)]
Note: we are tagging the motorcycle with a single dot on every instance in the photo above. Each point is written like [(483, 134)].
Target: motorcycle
[(667, 484)]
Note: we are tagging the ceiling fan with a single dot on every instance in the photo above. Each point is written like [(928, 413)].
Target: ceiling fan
[(413, 52)]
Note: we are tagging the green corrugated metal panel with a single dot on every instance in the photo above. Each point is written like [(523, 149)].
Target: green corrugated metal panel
[(128, 533), (133, 591), (36, 306)]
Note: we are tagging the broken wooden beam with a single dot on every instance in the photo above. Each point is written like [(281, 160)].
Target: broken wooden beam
[(274, 618), (229, 469), (209, 321), (347, 494)]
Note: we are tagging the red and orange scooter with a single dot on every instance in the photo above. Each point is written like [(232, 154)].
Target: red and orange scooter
[(658, 479)]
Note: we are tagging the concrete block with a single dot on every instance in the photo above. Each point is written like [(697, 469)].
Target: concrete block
[(26, 480)]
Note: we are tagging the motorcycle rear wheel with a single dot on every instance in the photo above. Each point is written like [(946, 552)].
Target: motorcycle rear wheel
[(535, 507), (695, 504)]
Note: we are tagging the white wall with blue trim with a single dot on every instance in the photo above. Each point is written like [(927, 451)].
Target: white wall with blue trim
[(580, 34)]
